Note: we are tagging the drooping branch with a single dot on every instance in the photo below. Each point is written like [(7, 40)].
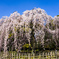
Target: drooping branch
[(5, 40), (49, 30)]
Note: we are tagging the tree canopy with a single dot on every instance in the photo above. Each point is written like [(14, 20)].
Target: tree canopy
[(32, 27)]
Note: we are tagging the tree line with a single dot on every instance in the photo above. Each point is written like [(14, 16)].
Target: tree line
[(33, 30)]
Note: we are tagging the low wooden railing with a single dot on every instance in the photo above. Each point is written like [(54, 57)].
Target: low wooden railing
[(40, 55)]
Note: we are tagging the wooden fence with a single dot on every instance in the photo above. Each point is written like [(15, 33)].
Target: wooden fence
[(40, 55)]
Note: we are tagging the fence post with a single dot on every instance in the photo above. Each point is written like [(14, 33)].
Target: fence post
[(19, 55), (12, 55), (28, 55), (43, 54), (39, 56), (1, 55), (33, 56), (46, 55), (22, 55), (50, 55)]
